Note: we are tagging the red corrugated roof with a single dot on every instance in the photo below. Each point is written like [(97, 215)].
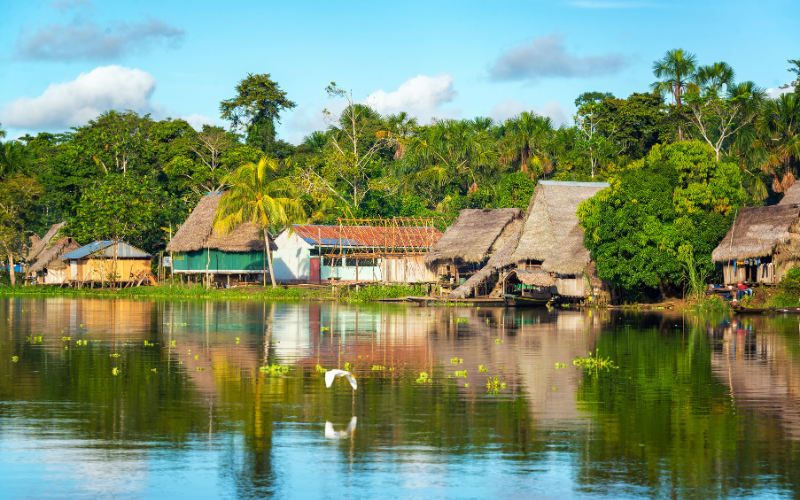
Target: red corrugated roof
[(373, 236)]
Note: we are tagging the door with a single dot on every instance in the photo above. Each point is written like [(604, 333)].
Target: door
[(314, 275)]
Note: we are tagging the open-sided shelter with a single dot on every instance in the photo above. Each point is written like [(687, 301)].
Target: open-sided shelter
[(199, 250), (50, 268), (470, 241), (761, 245), (103, 261)]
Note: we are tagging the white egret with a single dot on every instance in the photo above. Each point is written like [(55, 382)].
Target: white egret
[(332, 374), (332, 434)]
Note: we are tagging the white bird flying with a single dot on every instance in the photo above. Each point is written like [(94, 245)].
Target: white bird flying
[(332, 374), (332, 434)]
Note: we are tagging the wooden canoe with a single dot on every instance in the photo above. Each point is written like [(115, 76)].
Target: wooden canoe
[(518, 301), (444, 301)]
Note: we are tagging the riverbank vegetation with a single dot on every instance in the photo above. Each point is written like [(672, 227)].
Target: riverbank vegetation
[(681, 156)]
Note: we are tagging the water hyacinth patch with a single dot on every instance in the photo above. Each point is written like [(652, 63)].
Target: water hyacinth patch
[(274, 369)]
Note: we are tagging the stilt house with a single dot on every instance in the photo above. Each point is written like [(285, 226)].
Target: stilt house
[(39, 245), (761, 245), (198, 251), (104, 261), (392, 253), (468, 244), (50, 268)]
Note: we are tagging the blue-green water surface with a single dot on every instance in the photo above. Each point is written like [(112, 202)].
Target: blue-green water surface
[(147, 399)]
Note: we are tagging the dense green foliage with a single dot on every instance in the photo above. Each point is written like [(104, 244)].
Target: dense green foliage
[(666, 210), (370, 165)]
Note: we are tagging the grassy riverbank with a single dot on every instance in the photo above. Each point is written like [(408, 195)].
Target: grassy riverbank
[(365, 293)]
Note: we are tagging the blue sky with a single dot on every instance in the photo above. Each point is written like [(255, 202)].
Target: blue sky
[(64, 61)]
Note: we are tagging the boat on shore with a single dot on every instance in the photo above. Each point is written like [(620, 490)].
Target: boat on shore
[(750, 310), (532, 300), (444, 301)]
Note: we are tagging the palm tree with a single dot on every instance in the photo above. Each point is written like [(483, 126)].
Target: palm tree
[(450, 151), (401, 126), (676, 71), (15, 157), (778, 125), (259, 197), (527, 136), (712, 77), (2, 132), (316, 140)]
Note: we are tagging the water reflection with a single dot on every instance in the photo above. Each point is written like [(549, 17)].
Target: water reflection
[(699, 406)]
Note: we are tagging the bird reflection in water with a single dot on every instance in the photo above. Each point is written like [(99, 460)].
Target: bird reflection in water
[(347, 433)]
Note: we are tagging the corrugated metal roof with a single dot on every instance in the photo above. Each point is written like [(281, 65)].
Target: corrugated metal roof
[(368, 236), (106, 249)]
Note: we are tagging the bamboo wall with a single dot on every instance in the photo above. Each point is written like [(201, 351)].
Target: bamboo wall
[(99, 270), (406, 269)]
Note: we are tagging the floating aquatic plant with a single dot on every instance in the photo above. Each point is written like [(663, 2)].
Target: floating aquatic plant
[(14, 359), (498, 341), (462, 373), (199, 369), (324, 328), (466, 385), (596, 362), (196, 356), (115, 371), (174, 343), (34, 339), (423, 378), (237, 340), (348, 366), (321, 369), (482, 369), (460, 320), (275, 369), (560, 365), (153, 370), (378, 368), (66, 338)]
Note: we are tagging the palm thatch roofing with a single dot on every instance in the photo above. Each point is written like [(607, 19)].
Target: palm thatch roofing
[(504, 244), (756, 232), (471, 237), (792, 195), (41, 244), (197, 232), (550, 217), (571, 257), (533, 278), (50, 258)]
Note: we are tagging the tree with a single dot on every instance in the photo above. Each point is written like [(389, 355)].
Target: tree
[(718, 117), (18, 195), (796, 71), (592, 98), (120, 208), (778, 127), (450, 153), (676, 71), (118, 141), (527, 137), (257, 107), (713, 77), (633, 125), (259, 197), (356, 138), (676, 203)]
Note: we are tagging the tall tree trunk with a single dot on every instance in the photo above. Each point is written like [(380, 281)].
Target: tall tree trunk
[(269, 260), (11, 274)]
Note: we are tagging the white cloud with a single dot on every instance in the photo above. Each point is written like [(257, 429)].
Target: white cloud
[(511, 107), (422, 96), (197, 121), (775, 93), (75, 102)]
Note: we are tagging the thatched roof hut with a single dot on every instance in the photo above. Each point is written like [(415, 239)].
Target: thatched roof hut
[(473, 236), (505, 243), (571, 257), (760, 232), (39, 245), (50, 258), (550, 217), (197, 232), (792, 195)]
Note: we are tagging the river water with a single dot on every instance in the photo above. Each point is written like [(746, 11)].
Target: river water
[(174, 399)]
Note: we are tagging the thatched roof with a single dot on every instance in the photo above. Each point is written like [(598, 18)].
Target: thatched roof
[(534, 278), (550, 216), (504, 244), (756, 232), (472, 236), (571, 257), (196, 232), (40, 245), (792, 195), (49, 259)]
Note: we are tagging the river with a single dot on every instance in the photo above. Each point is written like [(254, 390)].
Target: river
[(226, 399)]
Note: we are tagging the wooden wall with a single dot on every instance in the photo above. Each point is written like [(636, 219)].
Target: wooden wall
[(406, 269), (99, 270)]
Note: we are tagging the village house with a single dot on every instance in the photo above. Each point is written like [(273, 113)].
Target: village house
[(104, 261), (761, 245), (467, 245), (354, 253), (201, 253), (49, 268)]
